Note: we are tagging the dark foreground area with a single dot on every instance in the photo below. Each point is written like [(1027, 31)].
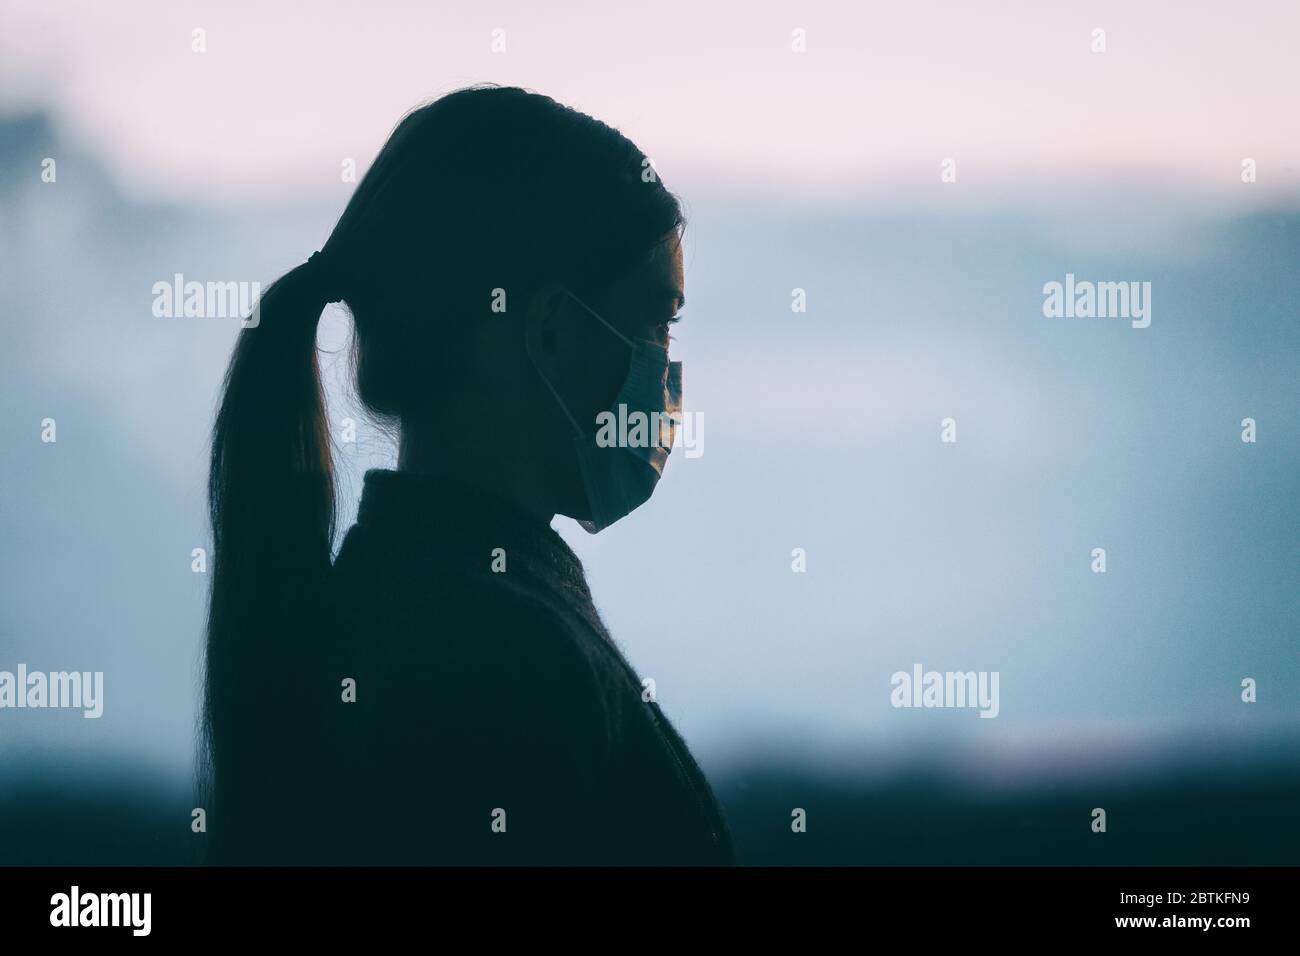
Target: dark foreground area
[(1230, 811)]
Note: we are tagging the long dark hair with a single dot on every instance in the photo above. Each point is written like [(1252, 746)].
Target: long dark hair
[(484, 188)]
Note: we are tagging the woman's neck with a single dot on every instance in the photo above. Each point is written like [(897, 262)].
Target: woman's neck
[(429, 449)]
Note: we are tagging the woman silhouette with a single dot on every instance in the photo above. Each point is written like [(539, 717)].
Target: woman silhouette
[(444, 691)]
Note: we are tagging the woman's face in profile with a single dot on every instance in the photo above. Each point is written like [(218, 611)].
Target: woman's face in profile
[(642, 304), (588, 363)]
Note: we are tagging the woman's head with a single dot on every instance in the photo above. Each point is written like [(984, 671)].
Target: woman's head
[(480, 207), (463, 256)]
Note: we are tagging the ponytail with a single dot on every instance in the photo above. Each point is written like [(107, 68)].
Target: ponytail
[(271, 504)]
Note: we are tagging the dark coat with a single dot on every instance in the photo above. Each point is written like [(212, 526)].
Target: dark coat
[(495, 720)]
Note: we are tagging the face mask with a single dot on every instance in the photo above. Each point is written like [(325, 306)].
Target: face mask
[(622, 462)]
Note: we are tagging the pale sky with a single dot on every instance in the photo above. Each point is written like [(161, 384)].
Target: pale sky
[(711, 91)]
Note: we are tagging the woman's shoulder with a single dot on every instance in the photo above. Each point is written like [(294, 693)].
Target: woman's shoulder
[(457, 633), (439, 605), (478, 646)]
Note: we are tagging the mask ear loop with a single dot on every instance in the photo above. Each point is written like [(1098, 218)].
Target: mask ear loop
[(599, 317), (559, 401)]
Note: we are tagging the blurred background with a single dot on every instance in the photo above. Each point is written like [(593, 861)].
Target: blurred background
[(818, 170)]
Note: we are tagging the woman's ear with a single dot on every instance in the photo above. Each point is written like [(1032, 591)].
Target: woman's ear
[(543, 326)]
